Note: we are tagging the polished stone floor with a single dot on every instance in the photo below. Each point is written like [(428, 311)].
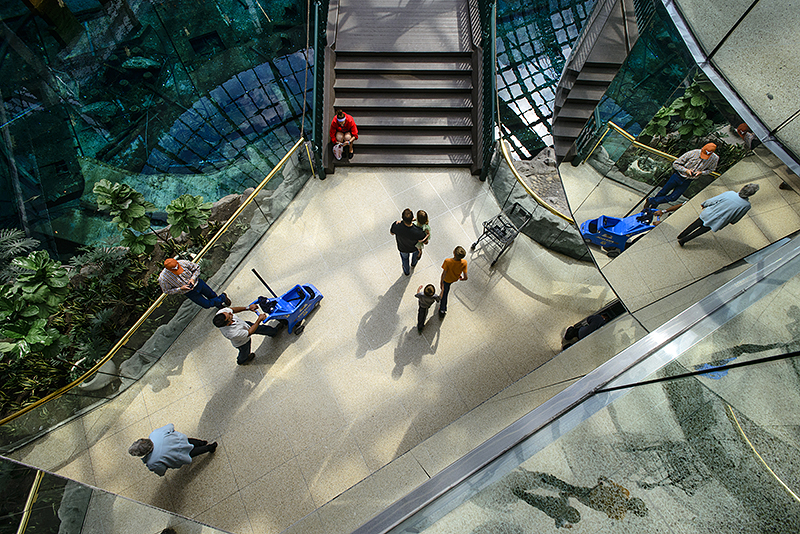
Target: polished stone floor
[(323, 430), (655, 266)]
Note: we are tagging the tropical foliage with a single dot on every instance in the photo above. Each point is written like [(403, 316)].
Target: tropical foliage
[(686, 115), (57, 321), (188, 213)]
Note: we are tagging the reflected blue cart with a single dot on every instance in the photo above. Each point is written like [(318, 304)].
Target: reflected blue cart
[(614, 234), (291, 307)]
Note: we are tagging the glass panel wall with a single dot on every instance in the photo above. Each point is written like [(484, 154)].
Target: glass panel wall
[(203, 98), (697, 438), (534, 40), (155, 335), (552, 230), (62, 505)]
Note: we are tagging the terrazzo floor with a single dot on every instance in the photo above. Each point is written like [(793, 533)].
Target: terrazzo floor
[(324, 430)]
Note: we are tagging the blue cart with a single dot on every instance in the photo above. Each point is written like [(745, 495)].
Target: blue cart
[(614, 234), (291, 307)]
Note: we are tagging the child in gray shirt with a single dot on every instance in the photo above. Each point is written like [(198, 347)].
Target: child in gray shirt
[(426, 299)]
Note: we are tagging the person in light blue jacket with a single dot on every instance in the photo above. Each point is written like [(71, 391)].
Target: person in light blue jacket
[(166, 448), (720, 211)]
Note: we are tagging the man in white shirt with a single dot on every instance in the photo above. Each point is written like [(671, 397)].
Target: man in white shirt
[(239, 331)]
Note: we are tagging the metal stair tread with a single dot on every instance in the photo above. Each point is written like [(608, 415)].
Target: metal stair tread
[(407, 159), (409, 84), (412, 119), (395, 66), (423, 101), (414, 137)]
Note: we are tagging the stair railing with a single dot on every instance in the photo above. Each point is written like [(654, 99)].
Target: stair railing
[(488, 98)]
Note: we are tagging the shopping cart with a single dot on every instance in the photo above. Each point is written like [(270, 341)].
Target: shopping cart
[(501, 230)]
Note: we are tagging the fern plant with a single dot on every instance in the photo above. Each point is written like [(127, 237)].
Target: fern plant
[(13, 243)]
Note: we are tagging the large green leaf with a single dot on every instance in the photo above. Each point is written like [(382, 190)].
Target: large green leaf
[(138, 243)]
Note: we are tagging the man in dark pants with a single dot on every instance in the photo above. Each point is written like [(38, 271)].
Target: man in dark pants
[(168, 449), (407, 236), (720, 211), (183, 277), (692, 164), (239, 331)]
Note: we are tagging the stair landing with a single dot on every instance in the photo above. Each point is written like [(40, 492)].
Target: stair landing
[(402, 26)]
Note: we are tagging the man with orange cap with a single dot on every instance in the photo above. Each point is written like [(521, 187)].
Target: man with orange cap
[(689, 166), (182, 277)]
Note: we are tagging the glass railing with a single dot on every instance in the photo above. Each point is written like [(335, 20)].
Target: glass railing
[(691, 425), (618, 156), (39, 502), (147, 340), (550, 225)]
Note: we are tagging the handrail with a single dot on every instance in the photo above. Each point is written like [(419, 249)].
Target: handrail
[(527, 189), (161, 297), (611, 126), (32, 495)]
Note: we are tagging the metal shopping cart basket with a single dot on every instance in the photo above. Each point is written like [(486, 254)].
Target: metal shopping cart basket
[(501, 230)]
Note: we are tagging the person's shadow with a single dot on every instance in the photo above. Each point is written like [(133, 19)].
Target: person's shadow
[(377, 326), (411, 346)]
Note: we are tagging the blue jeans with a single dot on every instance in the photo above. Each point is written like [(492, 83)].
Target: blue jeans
[(445, 294), (677, 184), (244, 350), (414, 259), (204, 296)]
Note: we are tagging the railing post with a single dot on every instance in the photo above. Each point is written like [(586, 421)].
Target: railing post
[(488, 12), (320, 42)]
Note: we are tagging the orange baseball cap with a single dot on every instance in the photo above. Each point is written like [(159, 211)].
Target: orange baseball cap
[(707, 149), (172, 265)]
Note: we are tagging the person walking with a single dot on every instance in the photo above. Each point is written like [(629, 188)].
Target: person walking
[(422, 222), (238, 331), (168, 449), (182, 277), (427, 299), (690, 165), (407, 236), (344, 131), (720, 211), (453, 270)]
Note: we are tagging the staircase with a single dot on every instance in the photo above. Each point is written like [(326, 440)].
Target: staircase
[(577, 97), (411, 108), (595, 60)]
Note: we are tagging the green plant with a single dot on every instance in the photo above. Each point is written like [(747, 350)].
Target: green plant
[(41, 281), (129, 209), (23, 329), (105, 262), (13, 243), (126, 205), (689, 112), (188, 213)]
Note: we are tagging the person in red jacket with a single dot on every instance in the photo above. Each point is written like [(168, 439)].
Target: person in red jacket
[(344, 131)]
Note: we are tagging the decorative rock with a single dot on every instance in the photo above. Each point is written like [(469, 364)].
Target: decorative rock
[(225, 207), (140, 63)]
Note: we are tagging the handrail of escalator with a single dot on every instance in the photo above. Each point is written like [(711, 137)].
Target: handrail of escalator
[(161, 297), (657, 341)]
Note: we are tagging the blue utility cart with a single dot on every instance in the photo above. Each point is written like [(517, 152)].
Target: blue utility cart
[(291, 307), (614, 234)]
